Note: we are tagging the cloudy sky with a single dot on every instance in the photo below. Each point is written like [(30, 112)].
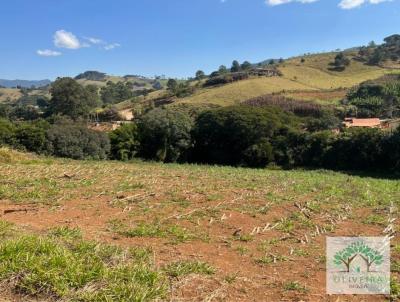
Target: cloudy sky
[(48, 38)]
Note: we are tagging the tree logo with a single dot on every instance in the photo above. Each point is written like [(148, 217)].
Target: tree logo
[(358, 265)]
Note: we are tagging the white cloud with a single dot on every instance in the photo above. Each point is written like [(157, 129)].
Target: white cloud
[(279, 2), (349, 4), (48, 53), (112, 46), (65, 39), (95, 40)]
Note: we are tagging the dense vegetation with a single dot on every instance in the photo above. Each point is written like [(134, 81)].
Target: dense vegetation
[(380, 98)]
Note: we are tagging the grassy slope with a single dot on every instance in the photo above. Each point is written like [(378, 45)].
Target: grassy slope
[(312, 75), (9, 94), (181, 213)]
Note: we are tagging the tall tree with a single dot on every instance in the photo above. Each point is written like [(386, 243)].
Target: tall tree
[(200, 75), (246, 65), (71, 99), (235, 66), (222, 69)]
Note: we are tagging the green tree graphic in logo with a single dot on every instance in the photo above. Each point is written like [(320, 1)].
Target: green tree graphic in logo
[(348, 254)]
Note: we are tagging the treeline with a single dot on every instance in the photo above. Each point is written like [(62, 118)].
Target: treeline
[(376, 54), (238, 136), (252, 137)]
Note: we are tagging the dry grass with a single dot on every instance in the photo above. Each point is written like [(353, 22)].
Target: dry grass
[(314, 75), (9, 94)]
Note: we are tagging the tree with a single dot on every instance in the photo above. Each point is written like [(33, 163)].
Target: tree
[(200, 75), (222, 69), (76, 141), (165, 135), (235, 66), (124, 142), (172, 84), (114, 93), (70, 98), (271, 62), (281, 60), (233, 135), (302, 60), (341, 61), (259, 155), (246, 65)]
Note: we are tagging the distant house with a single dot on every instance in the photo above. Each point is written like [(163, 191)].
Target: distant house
[(363, 122)]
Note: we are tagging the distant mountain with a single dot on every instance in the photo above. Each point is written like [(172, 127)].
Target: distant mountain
[(91, 75), (23, 83)]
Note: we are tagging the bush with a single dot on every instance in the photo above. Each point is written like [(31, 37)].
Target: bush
[(164, 135), (124, 142), (7, 132), (31, 137), (77, 142)]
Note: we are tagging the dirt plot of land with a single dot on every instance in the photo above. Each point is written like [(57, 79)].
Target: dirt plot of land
[(263, 232)]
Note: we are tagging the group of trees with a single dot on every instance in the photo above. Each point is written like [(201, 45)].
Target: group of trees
[(379, 98), (114, 93), (252, 137), (63, 138), (179, 88), (389, 50)]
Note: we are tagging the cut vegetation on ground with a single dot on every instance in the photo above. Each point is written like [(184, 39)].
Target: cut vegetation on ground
[(109, 231)]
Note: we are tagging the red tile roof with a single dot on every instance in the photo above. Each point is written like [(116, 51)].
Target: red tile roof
[(363, 122)]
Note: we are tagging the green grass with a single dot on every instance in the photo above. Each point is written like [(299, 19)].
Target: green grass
[(294, 286), (77, 270), (175, 233), (183, 268)]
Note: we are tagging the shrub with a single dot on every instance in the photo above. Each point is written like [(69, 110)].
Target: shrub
[(7, 132), (31, 137)]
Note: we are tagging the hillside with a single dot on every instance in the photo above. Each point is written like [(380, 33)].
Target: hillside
[(195, 230), (312, 79), (9, 94)]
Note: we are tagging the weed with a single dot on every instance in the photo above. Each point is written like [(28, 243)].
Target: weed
[(66, 233), (294, 286), (374, 219), (183, 268)]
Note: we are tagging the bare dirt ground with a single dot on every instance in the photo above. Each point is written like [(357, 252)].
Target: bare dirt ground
[(264, 232)]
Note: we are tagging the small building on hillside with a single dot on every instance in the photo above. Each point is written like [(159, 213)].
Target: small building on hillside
[(386, 125), (362, 122)]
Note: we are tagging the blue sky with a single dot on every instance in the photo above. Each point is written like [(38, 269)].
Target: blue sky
[(50, 38)]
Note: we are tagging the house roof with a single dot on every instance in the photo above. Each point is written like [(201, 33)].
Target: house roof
[(363, 122)]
